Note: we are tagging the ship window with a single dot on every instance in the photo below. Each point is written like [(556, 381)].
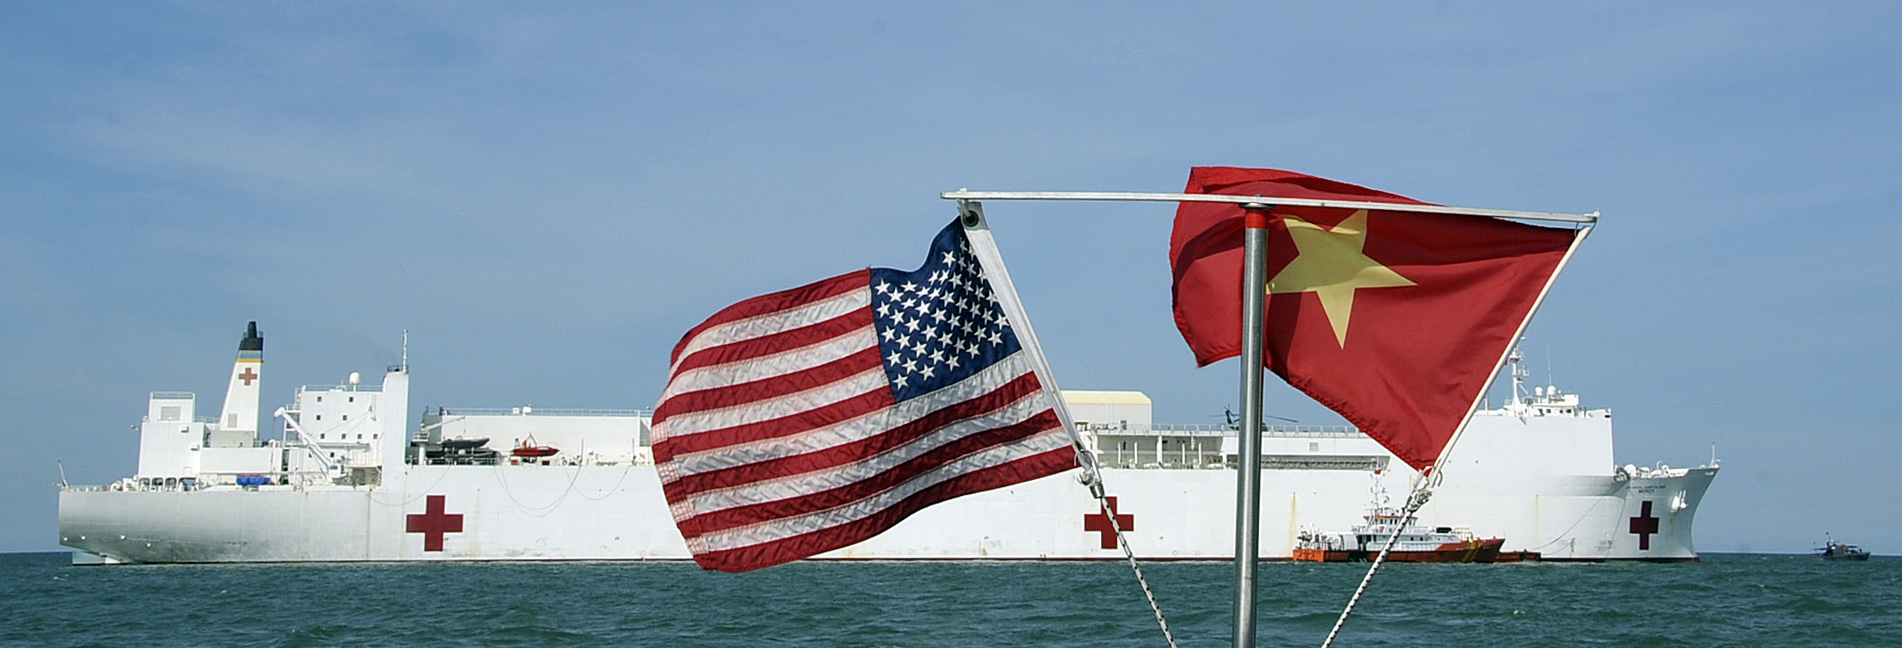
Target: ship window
[(353, 399), (320, 417), (320, 399), (320, 435), (1314, 446), (168, 413), (346, 417)]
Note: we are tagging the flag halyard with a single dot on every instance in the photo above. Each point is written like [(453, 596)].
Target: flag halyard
[(814, 418)]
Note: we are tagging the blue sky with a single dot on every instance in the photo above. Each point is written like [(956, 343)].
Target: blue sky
[(546, 199)]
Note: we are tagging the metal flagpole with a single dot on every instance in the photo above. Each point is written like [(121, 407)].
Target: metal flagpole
[(1248, 474), (1424, 490), (984, 247), (966, 194), (1254, 307), (1518, 333)]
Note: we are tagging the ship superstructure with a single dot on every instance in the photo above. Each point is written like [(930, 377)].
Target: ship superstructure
[(348, 480)]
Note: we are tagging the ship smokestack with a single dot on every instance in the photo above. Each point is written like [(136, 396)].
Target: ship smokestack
[(238, 426), (252, 341)]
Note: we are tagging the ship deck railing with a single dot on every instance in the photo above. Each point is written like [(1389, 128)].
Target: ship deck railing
[(541, 411), (330, 388), (1219, 430)]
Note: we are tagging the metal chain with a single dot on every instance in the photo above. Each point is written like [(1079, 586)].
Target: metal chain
[(1094, 480), (1414, 501)]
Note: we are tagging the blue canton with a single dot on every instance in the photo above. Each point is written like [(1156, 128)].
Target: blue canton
[(941, 323)]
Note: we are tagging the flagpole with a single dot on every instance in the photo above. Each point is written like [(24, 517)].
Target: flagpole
[(984, 247), (1254, 306), (966, 194), (1447, 451), (1248, 473)]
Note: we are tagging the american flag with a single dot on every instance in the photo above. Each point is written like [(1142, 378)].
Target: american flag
[(814, 418)]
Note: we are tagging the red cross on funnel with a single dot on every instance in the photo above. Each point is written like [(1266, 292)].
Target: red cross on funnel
[(433, 523)]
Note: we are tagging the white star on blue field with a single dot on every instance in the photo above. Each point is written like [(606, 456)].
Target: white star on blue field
[(941, 323)]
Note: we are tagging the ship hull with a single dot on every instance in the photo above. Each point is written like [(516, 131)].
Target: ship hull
[(533, 512), (1469, 551), (368, 488)]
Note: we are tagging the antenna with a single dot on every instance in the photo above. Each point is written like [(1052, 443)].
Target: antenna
[(405, 363), (1229, 417), (62, 473), (1548, 363), (1518, 373)]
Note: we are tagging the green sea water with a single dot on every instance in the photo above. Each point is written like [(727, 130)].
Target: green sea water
[(1727, 600)]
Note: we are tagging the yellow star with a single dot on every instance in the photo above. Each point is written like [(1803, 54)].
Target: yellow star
[(1332, 267)]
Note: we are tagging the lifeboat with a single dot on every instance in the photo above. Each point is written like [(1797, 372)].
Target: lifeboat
[(528, 449)]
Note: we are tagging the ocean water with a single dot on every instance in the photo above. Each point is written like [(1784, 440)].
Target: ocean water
[(1727, 600)]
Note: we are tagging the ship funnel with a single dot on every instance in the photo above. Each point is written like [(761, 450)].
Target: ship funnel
[(252, 341), (238, 426)]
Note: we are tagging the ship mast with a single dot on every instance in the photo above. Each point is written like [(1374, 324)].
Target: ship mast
[(1519, 374)]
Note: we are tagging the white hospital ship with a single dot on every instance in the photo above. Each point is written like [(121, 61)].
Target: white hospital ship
[(350, 479)]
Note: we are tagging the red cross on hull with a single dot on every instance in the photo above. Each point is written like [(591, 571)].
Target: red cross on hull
[(1100, 523), (433, 522), (1644, 525)]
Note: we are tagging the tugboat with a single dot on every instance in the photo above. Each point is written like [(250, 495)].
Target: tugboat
[(1833, 550), (1363, 543)]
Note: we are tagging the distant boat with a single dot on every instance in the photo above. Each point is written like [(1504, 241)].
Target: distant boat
[(1415, 544), (1833, 550)]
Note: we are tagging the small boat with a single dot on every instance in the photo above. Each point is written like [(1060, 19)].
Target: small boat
[(1833, 550), (529, 449), (465, 443), (1416, 544)]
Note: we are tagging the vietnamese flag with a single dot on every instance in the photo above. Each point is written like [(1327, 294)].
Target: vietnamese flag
[(1396, 320)]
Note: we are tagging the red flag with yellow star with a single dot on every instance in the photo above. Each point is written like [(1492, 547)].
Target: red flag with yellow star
[(1396, 320)]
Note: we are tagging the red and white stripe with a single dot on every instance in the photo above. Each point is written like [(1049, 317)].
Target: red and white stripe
[(777, 436)]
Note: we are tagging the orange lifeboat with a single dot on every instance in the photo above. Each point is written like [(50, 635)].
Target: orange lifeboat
[(527, 449)]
